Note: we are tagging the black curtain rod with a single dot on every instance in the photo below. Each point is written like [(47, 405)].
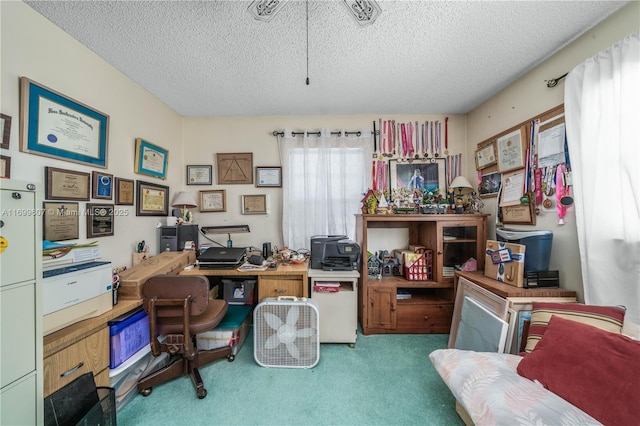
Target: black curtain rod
[(338, 133), (554, 81)]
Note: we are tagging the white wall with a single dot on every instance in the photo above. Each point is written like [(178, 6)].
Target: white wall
[(528, 97)]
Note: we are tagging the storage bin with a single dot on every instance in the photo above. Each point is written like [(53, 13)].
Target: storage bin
[(239, 292), (538, 246), (232, 330), (127, 335), (419, 267)]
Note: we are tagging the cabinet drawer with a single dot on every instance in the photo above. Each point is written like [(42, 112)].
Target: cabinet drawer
[(90, 354), (274, 286), (424, 318)]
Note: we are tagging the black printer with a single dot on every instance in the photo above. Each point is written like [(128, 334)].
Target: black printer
[(334, 253)]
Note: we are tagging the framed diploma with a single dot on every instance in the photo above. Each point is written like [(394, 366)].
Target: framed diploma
[(269, 176), (513, 185), (199, 175), (60, 221), (254, 204), (486, 156), (151, 199), (99, 220), (102, 185), (54, 125), (5, 131), (523, 214), (61, 184), (235, 168), (151, 159), (5, 166), (213, 201), (124, 189), (511, 150)]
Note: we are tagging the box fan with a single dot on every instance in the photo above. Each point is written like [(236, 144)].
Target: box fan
[(286, 332)]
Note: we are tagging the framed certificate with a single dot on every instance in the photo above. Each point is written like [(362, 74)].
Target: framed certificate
[(102, 187), (199, 175), (151, 199), (60, 221), (61, 184), (511, 150), (5, 131), (151, 159), (486, 156), (54, 125), (124, 192), (254, 204), (269, 177), (213, 201), (99, 220), (5, 166)]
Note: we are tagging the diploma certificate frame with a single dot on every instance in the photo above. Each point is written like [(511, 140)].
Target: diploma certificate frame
[(523, 214), (269, 177), (60, 221), (102, 185), (5, 166), (234, 168), (213, 201), (62, 184), (5, 128), (254, 204), (125, 189), (151, 159), (151, 199), (99, 220), (486, 156), (511, 150), (199, 175), (54, 125)]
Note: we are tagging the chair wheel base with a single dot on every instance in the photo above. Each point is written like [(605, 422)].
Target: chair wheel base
[(146, 392), (202, 393), (230, 358)]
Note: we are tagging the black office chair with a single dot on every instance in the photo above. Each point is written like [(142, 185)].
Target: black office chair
[(179, 308)]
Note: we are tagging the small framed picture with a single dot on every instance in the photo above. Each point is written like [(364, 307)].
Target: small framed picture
[(151, 159), (5, 131), (102, 187), (490, 185), (269, 177), (60, 221), (199, 175), (99, 220), (486, 156), (63, 184), (5, 166), (151, 199), (236, 168), (124, 192), (254, 204), (213, 201)]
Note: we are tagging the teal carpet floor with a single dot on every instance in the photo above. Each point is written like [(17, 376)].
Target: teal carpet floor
[(383, 380)]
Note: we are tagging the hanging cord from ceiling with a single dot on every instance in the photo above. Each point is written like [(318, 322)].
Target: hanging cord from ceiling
[(554, 81), (307, 81)]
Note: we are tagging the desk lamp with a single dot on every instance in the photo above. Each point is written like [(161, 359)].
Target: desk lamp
[(185, 201), (461, 186), (230, 229)]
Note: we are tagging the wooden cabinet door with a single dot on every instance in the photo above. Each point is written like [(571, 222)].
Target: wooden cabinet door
[(382, 307), (274, 286)]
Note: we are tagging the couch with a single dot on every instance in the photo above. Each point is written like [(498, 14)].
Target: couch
[(578, 370)]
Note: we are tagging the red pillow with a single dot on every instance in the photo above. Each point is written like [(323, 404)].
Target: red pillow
[(595, 370)]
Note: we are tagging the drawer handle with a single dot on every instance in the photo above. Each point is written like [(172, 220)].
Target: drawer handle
[(73, 370), (281, 290)]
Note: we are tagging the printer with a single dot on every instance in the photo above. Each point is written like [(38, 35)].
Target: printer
[(334, 253)]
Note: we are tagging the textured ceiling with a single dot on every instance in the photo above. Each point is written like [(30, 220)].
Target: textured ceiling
[(211, 58)]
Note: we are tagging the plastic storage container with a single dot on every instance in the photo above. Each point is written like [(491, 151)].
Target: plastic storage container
[(239, 292), (127, 336), (537, 243), (231, 331)]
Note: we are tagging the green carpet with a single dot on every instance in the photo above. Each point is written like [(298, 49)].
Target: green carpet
[(383, 380)]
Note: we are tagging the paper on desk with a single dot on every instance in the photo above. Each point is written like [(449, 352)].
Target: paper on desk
[(246, 266)]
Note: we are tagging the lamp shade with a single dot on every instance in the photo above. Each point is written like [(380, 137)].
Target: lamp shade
[(461, 185), (184, 200)]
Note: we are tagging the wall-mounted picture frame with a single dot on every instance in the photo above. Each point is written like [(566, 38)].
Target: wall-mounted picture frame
[(254, 204), (124, 192), (522, 214), (427, 174), (199, 175), (214, 200), (486, 156), (151, 199), (5, 131), (60, 221), (102, 185), (513, 187), (512, 149), (99, 220), (269, 177), (490, 185), (5, 166), (63, 184), (57, 126), (234, 168), (151, 160)]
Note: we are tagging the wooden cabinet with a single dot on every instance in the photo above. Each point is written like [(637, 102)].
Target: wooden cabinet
[(426, 306), (283, 285)]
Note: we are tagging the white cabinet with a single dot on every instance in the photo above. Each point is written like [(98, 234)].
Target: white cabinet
[(21, 397)]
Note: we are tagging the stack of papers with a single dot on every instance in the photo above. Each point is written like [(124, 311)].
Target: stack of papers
[(246, 266)]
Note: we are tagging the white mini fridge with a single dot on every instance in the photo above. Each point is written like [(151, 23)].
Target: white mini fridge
[(336, 294)]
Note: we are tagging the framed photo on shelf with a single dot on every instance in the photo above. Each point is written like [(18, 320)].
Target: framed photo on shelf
[(102, 186), (60, 221), (54, 125), (124, 189), (511, 150), (151, 199), (254, 204), (213, 201), (486, 156), (151, 159), (234, 168), (490, 185), (5, 131), (5, 166), (428, 174), (269, 177), (199, 175), (99, 220), (62, 184)]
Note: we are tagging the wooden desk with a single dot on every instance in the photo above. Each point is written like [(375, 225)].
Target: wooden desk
[(285, 280)]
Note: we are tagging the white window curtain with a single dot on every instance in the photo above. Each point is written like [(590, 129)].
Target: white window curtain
[(323, 180), (602, 109)]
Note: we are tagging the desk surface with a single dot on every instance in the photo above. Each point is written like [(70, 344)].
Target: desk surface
[(506, 290), (291, 269)]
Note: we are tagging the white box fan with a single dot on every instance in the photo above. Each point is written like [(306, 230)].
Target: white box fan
[(286, 332)]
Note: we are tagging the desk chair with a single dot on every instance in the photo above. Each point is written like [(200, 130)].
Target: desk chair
[(179, 308)]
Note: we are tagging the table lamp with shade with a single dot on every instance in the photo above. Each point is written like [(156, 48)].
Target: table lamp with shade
[(185, 201), (460, 186)]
